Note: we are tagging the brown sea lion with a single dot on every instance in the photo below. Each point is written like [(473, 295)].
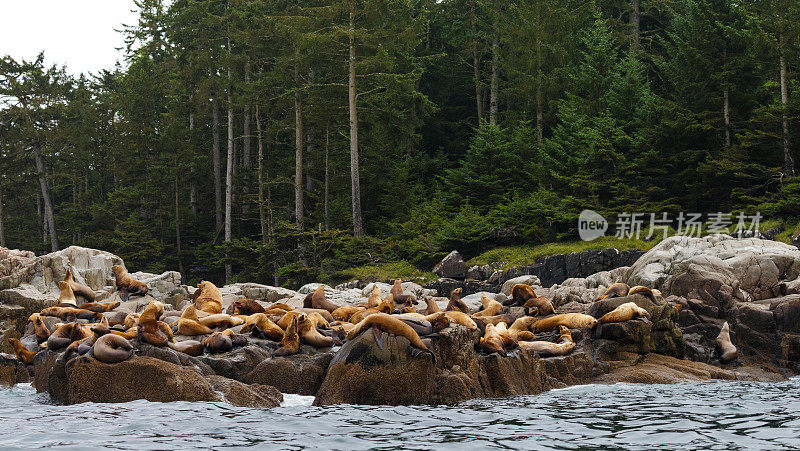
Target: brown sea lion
[(345, 312), (266, 328), (66, 298), (571, 320), (509, 342), (218, 342), (624, 312), (521, 328), (314, 317), (236, 339), (399, 297), (461, 318), (482, 321), (317, 300), (563, 346), (69, 313), (490, 307), (39, 327), (389, 324), (726, 351), (386, 306), (616, 290), (189, 324), (99, 307), (542, 305), (24, 355), (65, 334), (375, 297), (520, 294), (129, 334), (432, 306), (126, 285), (644, 291), (151, 330), (247, 307), (309, 334), (131, 319), (210, 299), (193, 348), (492, 341), (290, 343), (221, 320), (321, 312), (77, 288), (112, 348), (456, 304), (438, 320)]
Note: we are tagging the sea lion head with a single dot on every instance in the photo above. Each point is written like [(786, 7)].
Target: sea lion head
[(117, 270)]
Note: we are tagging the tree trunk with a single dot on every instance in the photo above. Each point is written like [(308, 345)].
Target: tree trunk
[(727, 117), (2, 231), (216, 163), (539, 75), (634, 23), (229, 172), (193, 177), (476, 69), (788, 161), (327, 179), (48, 207), (246, 147), (178, 226), (358, 229), (311, 147), (493, 94), (261, 216), (298, 151)]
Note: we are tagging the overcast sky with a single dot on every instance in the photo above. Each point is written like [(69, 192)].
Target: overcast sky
[(78, 33)]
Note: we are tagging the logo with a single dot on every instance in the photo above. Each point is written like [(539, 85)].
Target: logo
[(591, 225)]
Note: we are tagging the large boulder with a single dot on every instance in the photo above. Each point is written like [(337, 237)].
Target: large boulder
[(718, 269), (452, 266), (12, 371), (364, 373), (259, 292), (243, 395), (301, 373)]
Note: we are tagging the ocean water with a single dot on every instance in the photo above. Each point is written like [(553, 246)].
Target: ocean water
[(709, 415)]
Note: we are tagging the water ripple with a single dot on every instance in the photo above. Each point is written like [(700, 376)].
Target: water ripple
[(713, 415)]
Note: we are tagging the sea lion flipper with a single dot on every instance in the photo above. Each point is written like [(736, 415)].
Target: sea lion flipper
[(644, 319), (379, 337), (598, 330)]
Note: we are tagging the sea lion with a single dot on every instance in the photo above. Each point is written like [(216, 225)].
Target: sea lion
[(421, 326), (388, 324), (131, 319), (624, 312), (247, 307), (492, 341), (193, 348), (236, 339), (644, 291), (314, 317), (438, 320), (210, 299), (345, 312), (129, 334), (399, 297), (482, 321), (542, 305), (39, 327), (66, 298), (78, 288), (563, 346), (321, 312), (431, 306), (461, 318), (509, 342), (290, 343), (23, 354), (521, 328), (189, 324), (456, 304), (218, 342), (616, 290), (221, 320), (69, 313), (375, 297), (317, 300), (99, 307), (490, 307), (726, 350), (126, 285), (64, 335), (386, 306), (520, 294), (151, 330), (266, 328), (309, 334), (571, 320), (112, 348)]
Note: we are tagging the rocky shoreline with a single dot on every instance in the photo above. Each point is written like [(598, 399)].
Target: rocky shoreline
[(704, 282)]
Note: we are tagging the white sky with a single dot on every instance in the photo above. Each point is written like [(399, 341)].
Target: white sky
[(78, 33)]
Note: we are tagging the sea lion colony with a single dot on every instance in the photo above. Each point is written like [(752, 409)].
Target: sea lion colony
[(321, 323)]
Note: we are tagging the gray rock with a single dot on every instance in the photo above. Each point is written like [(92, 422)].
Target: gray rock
[(508, 285), (452, 266)]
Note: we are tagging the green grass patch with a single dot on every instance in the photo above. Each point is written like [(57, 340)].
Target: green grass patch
[(385, 271), (527, 255)]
